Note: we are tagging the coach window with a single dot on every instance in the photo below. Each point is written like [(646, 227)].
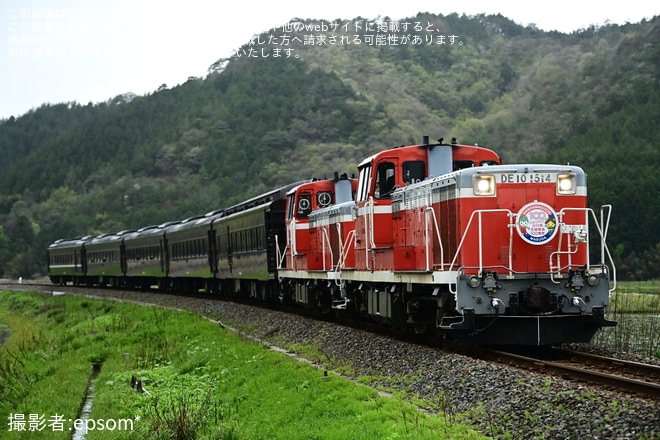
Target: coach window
[(385, 182), (414, 171)]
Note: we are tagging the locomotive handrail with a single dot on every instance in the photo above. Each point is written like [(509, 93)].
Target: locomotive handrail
[(557, 269), (369, 227), (606, 210), (371, 206), (467, 229), (326, 238), (343, 250), (345, 246), (479, 213), (279, 254), (602, 226), (586, 225), (570, 248), (437, 230), (291, 230)]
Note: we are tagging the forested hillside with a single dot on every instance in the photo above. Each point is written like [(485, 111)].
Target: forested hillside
[(590, 98)]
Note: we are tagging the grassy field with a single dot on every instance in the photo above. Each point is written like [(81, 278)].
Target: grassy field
[(637, 297), (201, 381)]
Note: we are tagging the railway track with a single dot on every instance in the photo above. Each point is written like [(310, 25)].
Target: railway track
[(634, 370), (622, 375), (619, 374)]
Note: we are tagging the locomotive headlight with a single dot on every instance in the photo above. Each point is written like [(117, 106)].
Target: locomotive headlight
[(566, 184), (592, 280), (483, 185), (474, 282)]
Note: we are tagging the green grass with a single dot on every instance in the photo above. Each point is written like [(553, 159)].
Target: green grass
[(636, 297), (203, 381)]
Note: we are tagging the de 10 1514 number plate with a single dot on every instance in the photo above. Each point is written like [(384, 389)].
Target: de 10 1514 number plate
[(527, 178)]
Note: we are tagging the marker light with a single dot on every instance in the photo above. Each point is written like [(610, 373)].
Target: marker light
[(566, 184), (483, 185)]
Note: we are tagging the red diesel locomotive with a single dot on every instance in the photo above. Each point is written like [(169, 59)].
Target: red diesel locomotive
[(436, 238), (443, 237)]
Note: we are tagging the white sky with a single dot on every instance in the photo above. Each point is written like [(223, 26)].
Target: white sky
[(56, 51)]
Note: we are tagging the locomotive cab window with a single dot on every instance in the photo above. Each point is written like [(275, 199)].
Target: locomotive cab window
[(414, 171), (324, 198), (385, 180), (304, 205)]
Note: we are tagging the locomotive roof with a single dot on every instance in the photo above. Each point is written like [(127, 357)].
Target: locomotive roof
[(465, 148)]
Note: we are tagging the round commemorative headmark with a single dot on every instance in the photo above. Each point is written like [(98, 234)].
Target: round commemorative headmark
[(537, 223)]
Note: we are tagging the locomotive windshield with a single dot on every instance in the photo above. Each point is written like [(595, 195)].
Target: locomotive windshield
[(365, 180)]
